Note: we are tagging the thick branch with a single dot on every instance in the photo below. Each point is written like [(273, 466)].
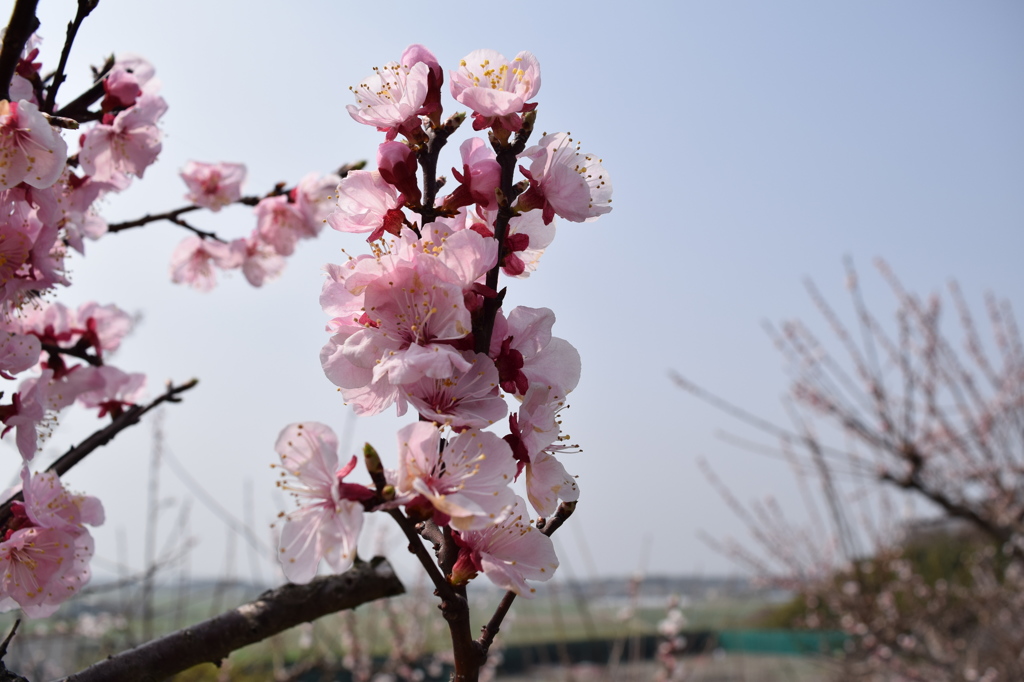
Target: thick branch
[(21, 27), (999, 533), (275, 611), (129, 417)]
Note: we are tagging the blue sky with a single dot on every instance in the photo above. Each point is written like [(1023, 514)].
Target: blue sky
[(750, 145)]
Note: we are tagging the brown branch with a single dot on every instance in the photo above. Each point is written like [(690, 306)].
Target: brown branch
[(508, 158), (151, 218), (78, 108), (5, 674), (79, 350), (441, 585), (129, 417), (436, 138), (275, 611), (22, 25), (174, 216), (954, 509), (84, 8)]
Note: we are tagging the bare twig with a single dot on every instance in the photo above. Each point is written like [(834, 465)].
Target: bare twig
[(84, 8), (129, 417)]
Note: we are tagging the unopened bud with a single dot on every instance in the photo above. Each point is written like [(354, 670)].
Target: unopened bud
[(372, 459), (454, 121)]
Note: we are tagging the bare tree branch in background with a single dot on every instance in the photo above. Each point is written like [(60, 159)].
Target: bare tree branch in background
[(918, 413)]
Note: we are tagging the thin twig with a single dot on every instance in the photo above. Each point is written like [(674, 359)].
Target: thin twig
[(84, 8), (129, 417), (490, 630)]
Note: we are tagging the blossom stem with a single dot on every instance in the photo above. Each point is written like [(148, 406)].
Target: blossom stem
[(251, 200), (442, 587), (468, 654), (436, 140), (79, 350), (508, 156)]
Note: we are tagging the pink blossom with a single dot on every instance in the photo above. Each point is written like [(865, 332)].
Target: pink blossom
[(213, 185), (104, 326), (494, 88), (535, 436), (26, 71), (260, 261), (480, 176), (391, 97), (367, 203), (528, 237), (40, 568), (122, 88), (28, 413), (466, 254), (316, 196), (327, 523), (141, 69), (412, 303), (414, 54), (281, 223), (76, 198), (33, 410), (21, 227), (509, 553), (397, 165), (31, 151), (18, 352), (466, 483), (15, 247), (395, 315), (95, 327), (193, 260), (44, 559), (114, 389), (127, 145), (565, 182), (467, 398), (528, 353), (50, 505)]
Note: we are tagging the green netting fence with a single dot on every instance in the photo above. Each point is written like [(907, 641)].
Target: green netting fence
[(795, 642)]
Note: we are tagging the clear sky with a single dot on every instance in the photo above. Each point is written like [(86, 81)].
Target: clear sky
[(750, 145)]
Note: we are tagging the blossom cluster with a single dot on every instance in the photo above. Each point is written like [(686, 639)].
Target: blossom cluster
[(60, 355), (48, 199), (45, 552), (46, 207), (420, 322), (282, 219)]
